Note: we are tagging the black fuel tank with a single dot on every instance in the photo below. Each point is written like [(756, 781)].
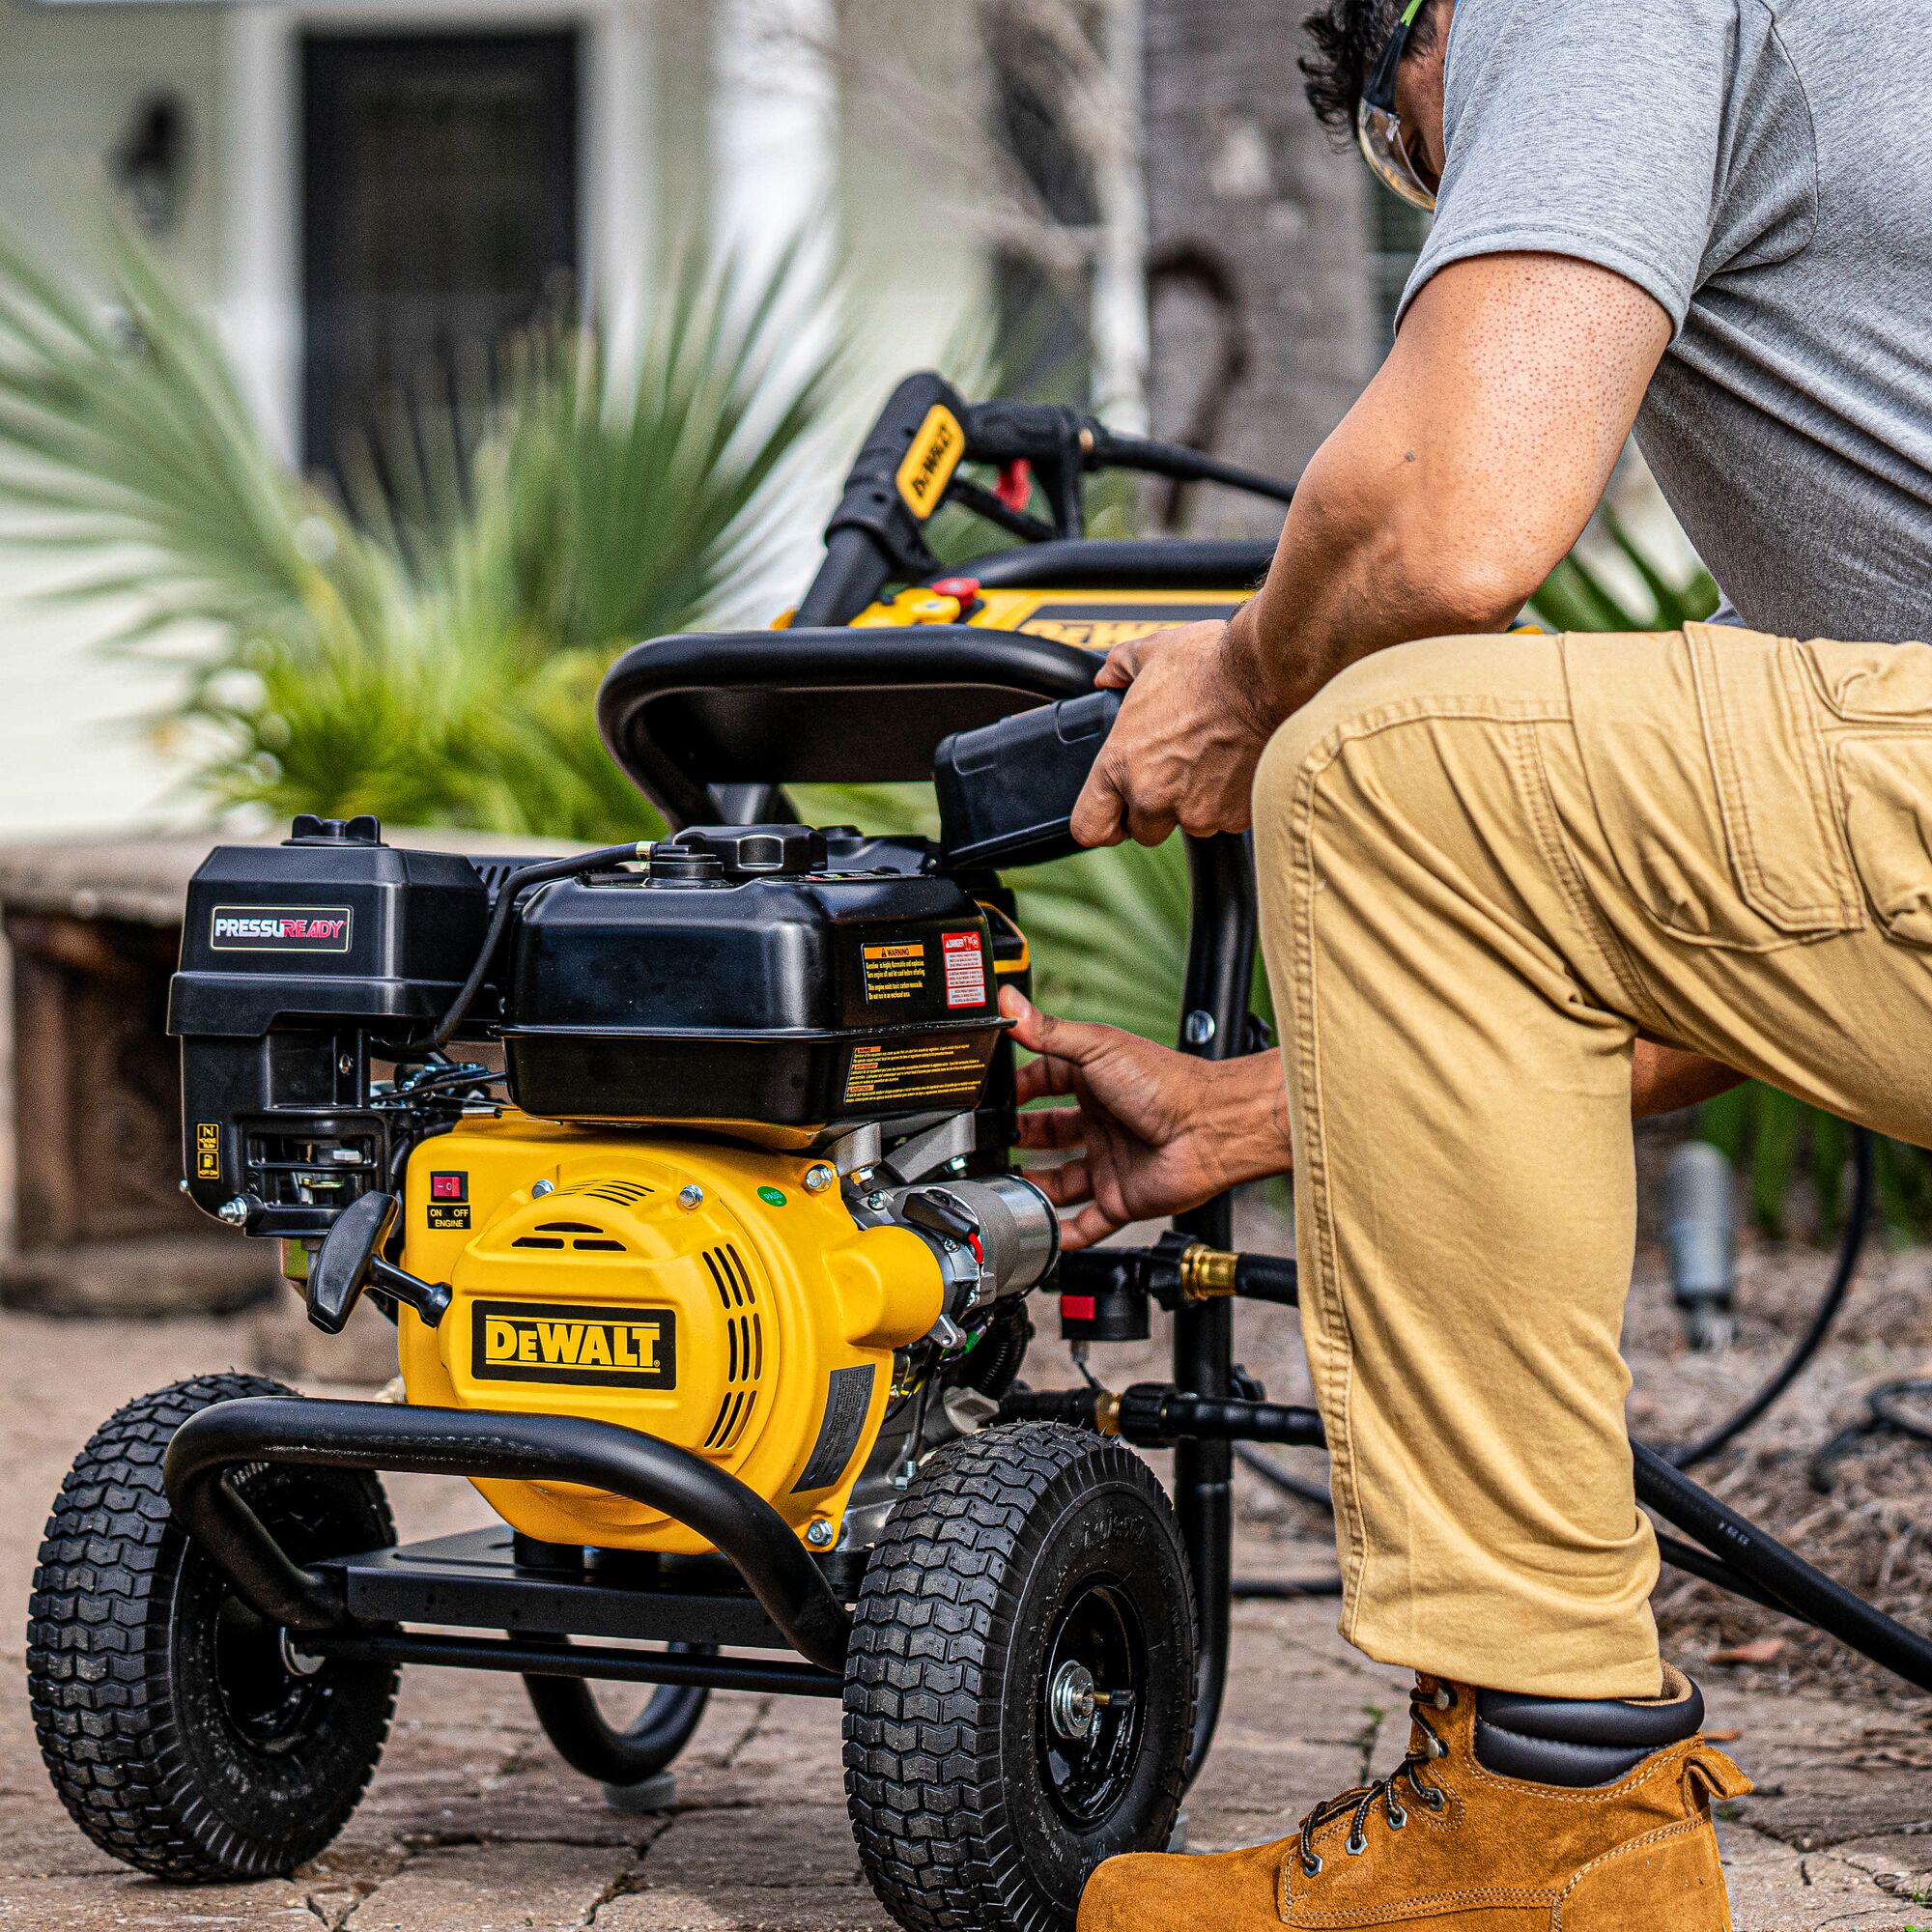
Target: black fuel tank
[(749, 988)]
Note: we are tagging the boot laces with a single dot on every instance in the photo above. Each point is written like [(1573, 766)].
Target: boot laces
[(1362, 1800)]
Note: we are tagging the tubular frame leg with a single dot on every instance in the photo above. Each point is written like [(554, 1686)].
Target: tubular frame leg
[(1214, 1026)]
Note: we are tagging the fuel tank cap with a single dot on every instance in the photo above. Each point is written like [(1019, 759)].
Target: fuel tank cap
[(750, 851)]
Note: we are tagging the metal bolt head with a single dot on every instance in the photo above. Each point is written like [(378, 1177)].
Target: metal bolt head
[(542, 1188), (876, 1203), (819, 1533), (1200, 1030), (956, 1165), (297, 1662), (235, 1212), (690, 1198), (186, 1186), (1071, 1700), (818, 1178)]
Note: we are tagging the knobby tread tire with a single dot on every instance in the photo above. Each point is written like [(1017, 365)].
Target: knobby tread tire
[(107, 1709), (932, 1780)]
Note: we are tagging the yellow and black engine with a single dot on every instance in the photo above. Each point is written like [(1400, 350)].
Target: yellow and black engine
[(739, 1181)]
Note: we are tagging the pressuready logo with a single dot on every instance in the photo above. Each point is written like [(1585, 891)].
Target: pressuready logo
[(280, 928)]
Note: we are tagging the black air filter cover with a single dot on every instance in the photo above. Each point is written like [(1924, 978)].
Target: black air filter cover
[(750, 1002), (334, 925)]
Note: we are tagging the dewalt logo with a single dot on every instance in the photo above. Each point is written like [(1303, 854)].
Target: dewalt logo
[(936, 452), (596, 1348)]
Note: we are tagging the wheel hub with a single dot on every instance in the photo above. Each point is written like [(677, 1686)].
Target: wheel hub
[(1072, 1705), (1095, 1679)]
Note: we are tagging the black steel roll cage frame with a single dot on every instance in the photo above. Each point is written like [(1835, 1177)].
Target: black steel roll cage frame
[(768, 1593)]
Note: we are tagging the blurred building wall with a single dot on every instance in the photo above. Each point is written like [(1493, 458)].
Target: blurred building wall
[(683, 128)]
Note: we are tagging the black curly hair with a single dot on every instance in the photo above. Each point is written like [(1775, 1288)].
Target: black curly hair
[(1348, 37)]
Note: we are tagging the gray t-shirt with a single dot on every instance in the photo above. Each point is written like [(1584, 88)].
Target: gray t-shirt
[(1764, 169)]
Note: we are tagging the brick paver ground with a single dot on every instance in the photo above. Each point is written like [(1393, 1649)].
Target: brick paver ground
[(472, 1826)]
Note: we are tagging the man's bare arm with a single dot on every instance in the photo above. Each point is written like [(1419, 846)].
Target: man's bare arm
[(1452, 488), (1464, 474), (1664, 1079)]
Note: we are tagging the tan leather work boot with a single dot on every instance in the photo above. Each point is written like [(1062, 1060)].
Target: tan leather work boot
[(1509, 1815)]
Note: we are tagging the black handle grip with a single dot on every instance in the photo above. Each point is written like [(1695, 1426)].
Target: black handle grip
[(1006, 791), (340, 1269), (895, 487)]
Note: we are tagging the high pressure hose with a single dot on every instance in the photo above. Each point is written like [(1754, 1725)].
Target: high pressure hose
[(1851, 1251)]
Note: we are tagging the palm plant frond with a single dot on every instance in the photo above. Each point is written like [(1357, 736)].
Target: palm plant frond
[(430, 651)]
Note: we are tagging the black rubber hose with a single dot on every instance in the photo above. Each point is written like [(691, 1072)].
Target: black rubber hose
[(1265, 1590), (517, 883), (593, 1746), (1113, 451), (1851, 1252), (857, 567), (1762, 1560)]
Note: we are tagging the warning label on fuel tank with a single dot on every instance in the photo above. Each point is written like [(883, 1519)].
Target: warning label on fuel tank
[(949, 1069), (965, 969), (894, 972)]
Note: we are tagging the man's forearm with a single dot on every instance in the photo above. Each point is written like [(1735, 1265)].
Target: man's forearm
[(1461, 477), (1358, 569)]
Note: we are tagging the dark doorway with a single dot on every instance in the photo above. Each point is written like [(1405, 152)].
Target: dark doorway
[(440, 209)]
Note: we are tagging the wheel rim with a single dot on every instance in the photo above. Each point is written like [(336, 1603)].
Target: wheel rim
[(268, 1702), (1092, 1694)]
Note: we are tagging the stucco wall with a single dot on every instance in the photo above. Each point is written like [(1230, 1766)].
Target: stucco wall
[(73, 755)]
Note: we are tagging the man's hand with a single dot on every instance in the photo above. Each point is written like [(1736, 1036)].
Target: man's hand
[(1185, 748), (1153, 1132)]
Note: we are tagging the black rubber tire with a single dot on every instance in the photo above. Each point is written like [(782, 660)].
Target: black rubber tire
[(593, 1745), (175, 1734), (999, 1540)]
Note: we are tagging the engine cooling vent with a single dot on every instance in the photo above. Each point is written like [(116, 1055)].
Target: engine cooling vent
[(734, 1414), (619, 1193), (584, 1237), (743, 1343)]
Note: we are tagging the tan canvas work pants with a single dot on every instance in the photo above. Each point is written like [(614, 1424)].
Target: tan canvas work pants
[(1487, 865)]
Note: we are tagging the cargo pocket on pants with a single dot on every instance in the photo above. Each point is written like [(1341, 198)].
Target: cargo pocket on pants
[(1879, 704), (1888, 794), (1764, 725)]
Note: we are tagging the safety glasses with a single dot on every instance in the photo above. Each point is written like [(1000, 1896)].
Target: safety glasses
[(1379, 130)]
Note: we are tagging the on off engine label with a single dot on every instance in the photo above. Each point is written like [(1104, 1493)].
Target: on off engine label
[(280, 928), (448, 1205), (940, 1070), (847, 1399), (894, 972), (585, 1348)]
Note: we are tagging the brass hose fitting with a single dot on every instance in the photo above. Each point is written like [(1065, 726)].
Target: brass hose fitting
[(1208, 1274)]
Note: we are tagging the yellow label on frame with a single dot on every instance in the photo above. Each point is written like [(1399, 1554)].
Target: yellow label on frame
[(936, 452)]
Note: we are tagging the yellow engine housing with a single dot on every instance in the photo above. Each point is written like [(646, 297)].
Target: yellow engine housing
[(693, 1289)]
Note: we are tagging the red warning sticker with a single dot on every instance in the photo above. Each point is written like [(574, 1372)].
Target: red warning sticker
[(965, 969)]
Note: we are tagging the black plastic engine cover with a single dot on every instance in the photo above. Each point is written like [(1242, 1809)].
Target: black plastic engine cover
[(751, 1004), (333, 925)]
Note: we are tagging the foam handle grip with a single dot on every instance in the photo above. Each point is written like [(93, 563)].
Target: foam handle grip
[(1006, 791)]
